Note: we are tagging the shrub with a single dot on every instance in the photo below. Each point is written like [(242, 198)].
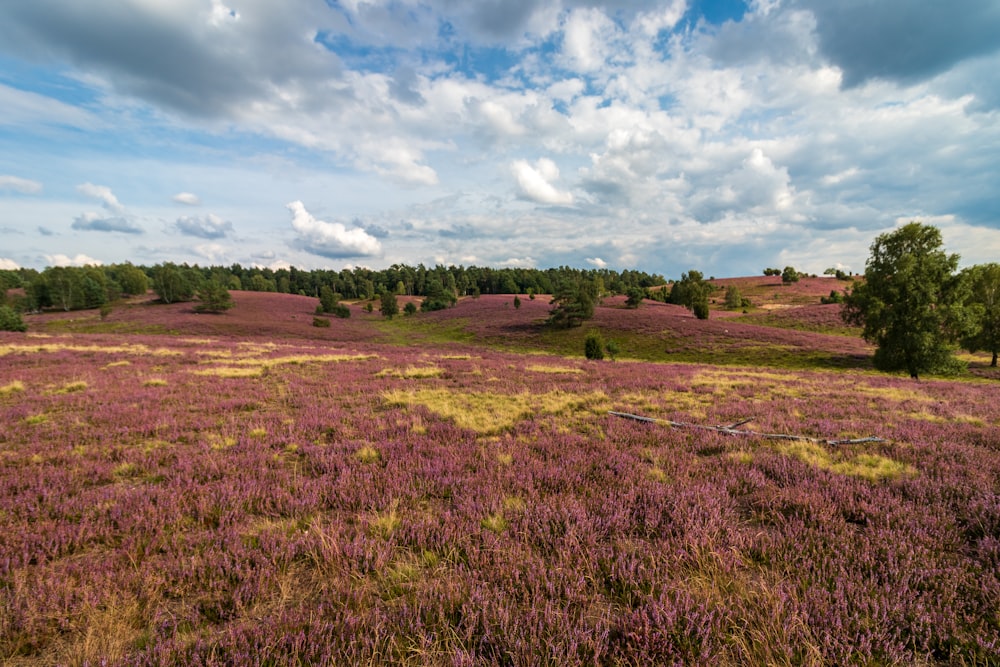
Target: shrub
[(410, 309), (612, 348), (10, 320), (700, 309), (593, 346), (321, 322), (517, 302), (789, 275)]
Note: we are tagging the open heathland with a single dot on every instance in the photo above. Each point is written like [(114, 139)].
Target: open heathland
[(450, 489)]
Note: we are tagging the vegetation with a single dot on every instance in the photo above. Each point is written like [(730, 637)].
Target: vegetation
[(10, 320), (390, 306), (214, 298), (789, 275), (983, 303), (593, 346), (573, 303), (634, 296), (911, 303), (692, 292)]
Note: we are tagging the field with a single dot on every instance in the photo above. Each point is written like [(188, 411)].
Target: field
[(449, 489)]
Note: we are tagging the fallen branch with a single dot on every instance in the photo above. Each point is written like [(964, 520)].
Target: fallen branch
[(733, 429)]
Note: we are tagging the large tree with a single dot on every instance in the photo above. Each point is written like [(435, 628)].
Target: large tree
[(910, 302), (984, 309), (573, 302)]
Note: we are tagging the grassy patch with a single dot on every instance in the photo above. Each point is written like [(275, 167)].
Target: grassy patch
[(231, 371), (411, 372), (368, 454), (554, 370), (492, 413), (72, 387), (14, 387), (872, 467), (154, 382)]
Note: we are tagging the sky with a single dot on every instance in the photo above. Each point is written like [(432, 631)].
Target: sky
[(717, 135)]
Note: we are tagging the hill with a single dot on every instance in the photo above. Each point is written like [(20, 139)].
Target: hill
[(450, 488)]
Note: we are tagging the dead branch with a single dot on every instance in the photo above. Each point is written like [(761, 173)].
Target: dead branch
[(733, 429)]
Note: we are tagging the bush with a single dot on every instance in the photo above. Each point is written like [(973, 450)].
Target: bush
[(517, 302), (322, 322), (10, 320), (789, 275), (612, 349), (835, 297), (593, 346), (410, 309), (700, 309)]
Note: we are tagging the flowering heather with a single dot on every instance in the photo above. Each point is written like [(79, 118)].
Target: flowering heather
[(350, 501)]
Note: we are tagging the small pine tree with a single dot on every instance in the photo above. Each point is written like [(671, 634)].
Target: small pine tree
[(10, 320), (612, 349), (390, 307), (734, 300), (700, 309), (593, 346), (517, 302), (410, 309)]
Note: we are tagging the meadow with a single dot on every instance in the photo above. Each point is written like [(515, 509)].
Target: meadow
[(450, 489)]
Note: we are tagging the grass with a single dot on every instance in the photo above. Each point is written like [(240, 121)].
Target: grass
[(492, 413), (12, 388), (872, 467), (412, 372)]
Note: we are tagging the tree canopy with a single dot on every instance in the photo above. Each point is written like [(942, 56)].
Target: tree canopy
[(910, 303), (984, 309)]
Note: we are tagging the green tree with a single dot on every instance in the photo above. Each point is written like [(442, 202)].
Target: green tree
[(910, 303), (214, 297), (410, 309), (984, 309), (10, 320), (132, 280), (174, 283), (517, 302), (692, 291), (390, 307), (734, 300), (573, 303), (789, 275), (634, 296), (593, 346)]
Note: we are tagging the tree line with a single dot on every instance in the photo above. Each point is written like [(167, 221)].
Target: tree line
[(75, 288)]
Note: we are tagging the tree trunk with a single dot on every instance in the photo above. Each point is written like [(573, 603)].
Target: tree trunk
[(994, 364)]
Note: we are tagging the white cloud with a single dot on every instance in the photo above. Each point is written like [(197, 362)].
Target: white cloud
[(330, 239), (534, 182), (209, 226), (215, 253), (598, 262), (21, 185), (8, 264), (103, 194), (77, 260), (95, 222), (588, 40), (187, 198)]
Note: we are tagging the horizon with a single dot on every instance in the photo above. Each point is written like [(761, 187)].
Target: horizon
[(716, 135)]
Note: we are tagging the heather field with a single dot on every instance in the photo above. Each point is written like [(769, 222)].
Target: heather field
[(450, 489)]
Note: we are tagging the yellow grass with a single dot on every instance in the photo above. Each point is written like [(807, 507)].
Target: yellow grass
[(491, 413), (458, 357), (137, 350), (116, 364), (368, 454), (72, 387), (872, 467), (12, 388), (554, 370), (411, 372), (154, 382), (231, 371)]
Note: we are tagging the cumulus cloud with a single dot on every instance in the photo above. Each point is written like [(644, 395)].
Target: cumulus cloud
[(330, 239), (598, 262), (103, 194), (8, 264), (187, 198), (95, 222), (23, 186), (77, 260), (119, 219), (534, 182), (209, 226), (903, 40)]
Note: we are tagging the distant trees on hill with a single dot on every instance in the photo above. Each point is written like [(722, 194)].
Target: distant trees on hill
[(72, 288)]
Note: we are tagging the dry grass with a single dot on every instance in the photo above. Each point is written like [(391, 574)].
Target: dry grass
[(872, 467), (492, 413), (14, 387), (412, 372), (553, 370), (155, 382)]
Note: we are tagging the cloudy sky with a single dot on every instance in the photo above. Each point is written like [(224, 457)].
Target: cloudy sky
[(720, 135)]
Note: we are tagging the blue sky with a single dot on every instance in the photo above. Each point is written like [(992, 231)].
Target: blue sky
[(722, 135)]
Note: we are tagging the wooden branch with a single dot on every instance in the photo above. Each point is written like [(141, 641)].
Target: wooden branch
[(733, 429)]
